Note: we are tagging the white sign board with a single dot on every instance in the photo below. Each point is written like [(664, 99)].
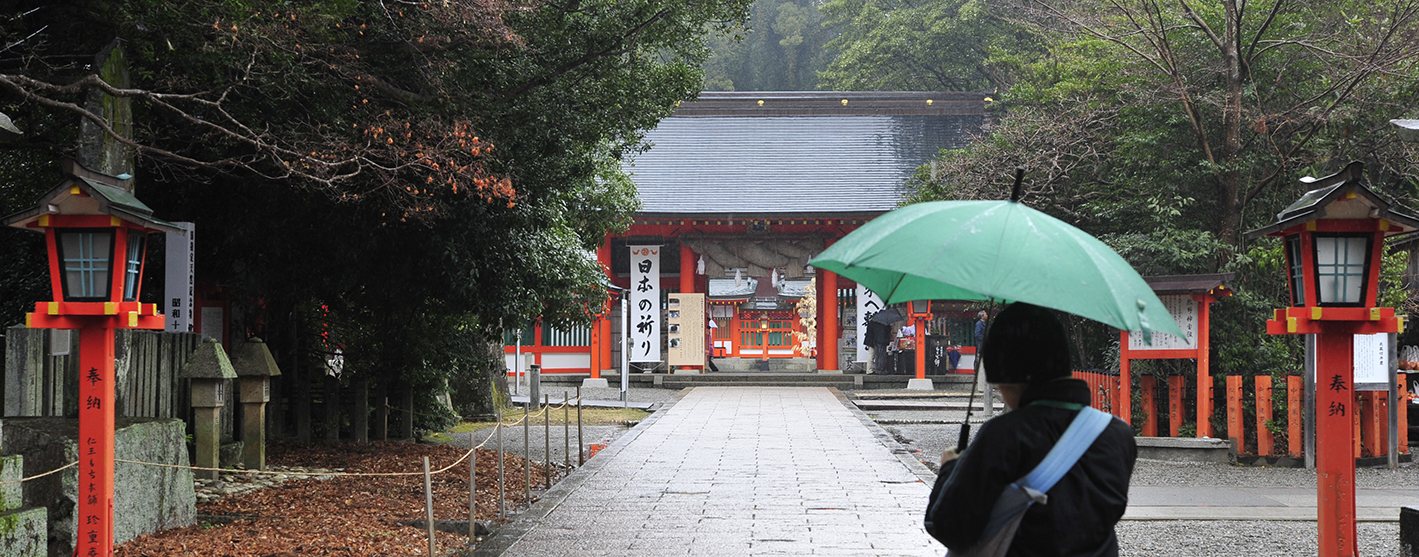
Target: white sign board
[(1372, 359), (1184, 310), (868, 304), (645, 304), (178, 285)]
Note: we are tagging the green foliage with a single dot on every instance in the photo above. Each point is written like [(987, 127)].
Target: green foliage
[(397, 179), (950, 45), (782, 47)]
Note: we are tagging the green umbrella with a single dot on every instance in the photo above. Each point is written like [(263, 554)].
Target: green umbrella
[(1001, 250)]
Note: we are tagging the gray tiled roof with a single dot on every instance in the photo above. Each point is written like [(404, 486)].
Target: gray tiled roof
[(807, 154)]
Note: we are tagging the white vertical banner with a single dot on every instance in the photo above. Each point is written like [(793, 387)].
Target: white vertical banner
[(868, 304), (177, 284), (645, 303)]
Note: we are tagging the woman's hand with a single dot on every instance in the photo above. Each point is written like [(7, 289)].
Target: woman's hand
[(949, 455)]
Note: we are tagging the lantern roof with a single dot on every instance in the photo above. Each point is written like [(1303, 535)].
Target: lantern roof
[(1340, 196), (86, 192), (253, 359), (209, 361)]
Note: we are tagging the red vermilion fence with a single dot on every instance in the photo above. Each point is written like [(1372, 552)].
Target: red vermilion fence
[(1372, 438)]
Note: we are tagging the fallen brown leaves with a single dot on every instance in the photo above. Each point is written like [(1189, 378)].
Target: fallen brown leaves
[(347, 515)]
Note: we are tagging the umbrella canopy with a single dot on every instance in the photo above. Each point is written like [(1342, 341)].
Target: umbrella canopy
[(1002, 250)]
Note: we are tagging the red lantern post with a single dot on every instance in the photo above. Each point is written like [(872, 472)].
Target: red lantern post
[(96, 232), (1334, 241)]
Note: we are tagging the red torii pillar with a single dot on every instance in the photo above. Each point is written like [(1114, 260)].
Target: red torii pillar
[(601, 339), (687, 278), (827, 335)]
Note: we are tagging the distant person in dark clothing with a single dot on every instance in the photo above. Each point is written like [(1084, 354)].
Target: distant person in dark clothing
[(980, 331), (1026, 356)]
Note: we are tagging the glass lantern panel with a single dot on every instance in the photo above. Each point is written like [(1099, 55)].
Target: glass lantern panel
[(1340, 269), (136, 243), (1296, 274), (85, 260)]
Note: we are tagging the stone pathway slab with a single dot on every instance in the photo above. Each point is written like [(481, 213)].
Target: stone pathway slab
[(737, 471)]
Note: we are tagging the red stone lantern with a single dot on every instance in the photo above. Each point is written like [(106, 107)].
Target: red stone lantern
[(96, 232), (1334, 239)]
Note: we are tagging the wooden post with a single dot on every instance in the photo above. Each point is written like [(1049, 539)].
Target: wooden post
[(687, 279), (1358, 410), (1147, 386), (1265, 441), (1235, 430), (1295, 402), (1123, 393), (1335, 464), (1403, 408), (1176, 384), (1204, 371), (920, 347), (828, 323), (429, 508), (94, 516), (1374, 425), (603, 256)]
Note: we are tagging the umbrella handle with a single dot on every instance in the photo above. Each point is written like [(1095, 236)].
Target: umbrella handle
[(965, 438), (1019, 178)]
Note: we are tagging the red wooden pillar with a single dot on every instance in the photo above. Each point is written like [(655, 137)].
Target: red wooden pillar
[(920, 347), (1403, 417), (687, 270), (1265, 441), (1358, 410), (1204, 369), (603, 255), (687, 278), (1176, 384), (1235, 430), (1335, 438), (1295, 398), (1374, 422), (1147, 387), (594, 348), (1122, 395), (828, 323), (94, 518)]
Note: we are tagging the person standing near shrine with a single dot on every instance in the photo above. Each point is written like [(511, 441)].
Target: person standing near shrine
[(1026, 356)]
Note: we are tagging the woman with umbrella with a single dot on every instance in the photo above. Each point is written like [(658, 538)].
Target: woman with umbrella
[(1026, 356)]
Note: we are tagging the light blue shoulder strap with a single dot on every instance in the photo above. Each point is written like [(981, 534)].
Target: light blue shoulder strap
[(1082, 432)]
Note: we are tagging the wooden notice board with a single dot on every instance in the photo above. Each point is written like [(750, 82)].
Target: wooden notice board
[(685, 329)]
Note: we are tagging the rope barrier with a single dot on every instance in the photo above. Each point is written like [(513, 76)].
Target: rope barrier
[(465, 456), (38, 476)]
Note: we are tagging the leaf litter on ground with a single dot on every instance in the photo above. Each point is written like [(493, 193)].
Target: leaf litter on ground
[(347, 515)]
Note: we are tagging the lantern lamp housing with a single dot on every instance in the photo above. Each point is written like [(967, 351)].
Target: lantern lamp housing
[(1333, 237), (96, 232)]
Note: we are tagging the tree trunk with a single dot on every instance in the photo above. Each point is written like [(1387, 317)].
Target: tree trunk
[(332, 408), (360, 411), (381, 411), (1230, 180), (406, 411)]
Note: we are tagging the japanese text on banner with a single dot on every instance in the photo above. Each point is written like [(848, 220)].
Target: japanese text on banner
[(645, 304), (868, 304)]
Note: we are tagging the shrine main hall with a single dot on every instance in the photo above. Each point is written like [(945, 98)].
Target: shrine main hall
[(739, 190)]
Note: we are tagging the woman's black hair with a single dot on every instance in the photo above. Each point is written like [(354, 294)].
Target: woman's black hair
[(1025, 344)]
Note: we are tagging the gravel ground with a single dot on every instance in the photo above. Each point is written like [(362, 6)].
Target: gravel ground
[(1186, 538), (928, 432), (562, 439)]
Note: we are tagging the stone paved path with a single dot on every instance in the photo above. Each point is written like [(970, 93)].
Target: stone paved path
[(736, 471)]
